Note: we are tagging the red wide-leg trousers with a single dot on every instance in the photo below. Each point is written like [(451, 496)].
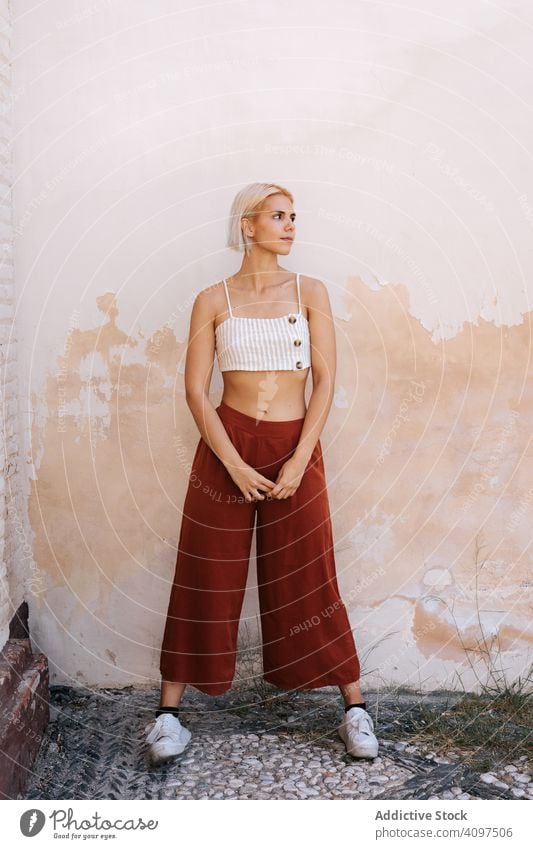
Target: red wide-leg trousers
[(306, 635)]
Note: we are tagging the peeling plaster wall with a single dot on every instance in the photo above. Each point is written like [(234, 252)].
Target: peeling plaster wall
[(405, 134)]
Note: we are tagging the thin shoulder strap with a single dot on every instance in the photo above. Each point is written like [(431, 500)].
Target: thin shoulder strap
[(227, 296), (298, 288)]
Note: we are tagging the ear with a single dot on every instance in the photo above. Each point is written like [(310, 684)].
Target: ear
[(245, 226)]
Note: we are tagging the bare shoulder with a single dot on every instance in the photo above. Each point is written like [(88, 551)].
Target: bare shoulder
[(210, 301), (312, 285), (314, 292)]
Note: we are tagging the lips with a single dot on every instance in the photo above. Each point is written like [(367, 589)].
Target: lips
[(286, 239)]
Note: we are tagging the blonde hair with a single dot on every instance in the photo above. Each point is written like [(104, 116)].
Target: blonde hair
[(246, 203)]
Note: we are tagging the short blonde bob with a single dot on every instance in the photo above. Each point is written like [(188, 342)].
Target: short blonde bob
[(246, 203)]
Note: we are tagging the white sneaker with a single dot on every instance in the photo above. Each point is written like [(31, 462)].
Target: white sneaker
[(167, 737), (357, 733)]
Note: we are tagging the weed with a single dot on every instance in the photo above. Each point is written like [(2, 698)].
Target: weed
[(497, 722)]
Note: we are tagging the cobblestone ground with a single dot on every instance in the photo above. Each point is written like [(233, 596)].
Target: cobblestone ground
[(272, 744)]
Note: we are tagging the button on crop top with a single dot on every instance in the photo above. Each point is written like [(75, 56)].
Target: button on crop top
[(263, 344)]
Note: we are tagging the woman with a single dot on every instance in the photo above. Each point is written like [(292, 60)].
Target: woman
[(259, 456)]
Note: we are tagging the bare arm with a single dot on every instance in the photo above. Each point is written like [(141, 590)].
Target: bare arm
[(198, 372), (323, 368)]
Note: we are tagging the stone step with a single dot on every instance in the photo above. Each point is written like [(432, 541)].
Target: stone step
[(24, 716), (14, 657)]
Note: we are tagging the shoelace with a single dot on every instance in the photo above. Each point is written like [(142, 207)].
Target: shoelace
[(159, 726)]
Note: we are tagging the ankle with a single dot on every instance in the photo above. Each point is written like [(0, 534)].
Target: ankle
[(359, 705), (174, 710)]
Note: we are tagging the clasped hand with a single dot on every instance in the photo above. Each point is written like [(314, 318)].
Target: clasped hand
[(256, 487)]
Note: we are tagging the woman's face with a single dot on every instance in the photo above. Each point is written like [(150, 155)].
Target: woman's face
[(273, 228)]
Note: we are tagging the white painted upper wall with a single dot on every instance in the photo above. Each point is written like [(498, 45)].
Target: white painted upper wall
[(404, 134)]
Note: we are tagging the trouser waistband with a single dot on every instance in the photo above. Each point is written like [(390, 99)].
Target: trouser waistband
[(258, 426)]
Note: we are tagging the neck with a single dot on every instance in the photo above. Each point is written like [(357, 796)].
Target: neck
[(260, 271)]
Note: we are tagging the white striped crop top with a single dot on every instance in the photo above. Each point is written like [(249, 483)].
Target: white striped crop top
[(263, 344)]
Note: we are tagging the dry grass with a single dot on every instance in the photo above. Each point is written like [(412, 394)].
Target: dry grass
[(497, 722), (485, 730)]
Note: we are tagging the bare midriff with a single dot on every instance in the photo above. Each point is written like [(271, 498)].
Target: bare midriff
[(267, 395)]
